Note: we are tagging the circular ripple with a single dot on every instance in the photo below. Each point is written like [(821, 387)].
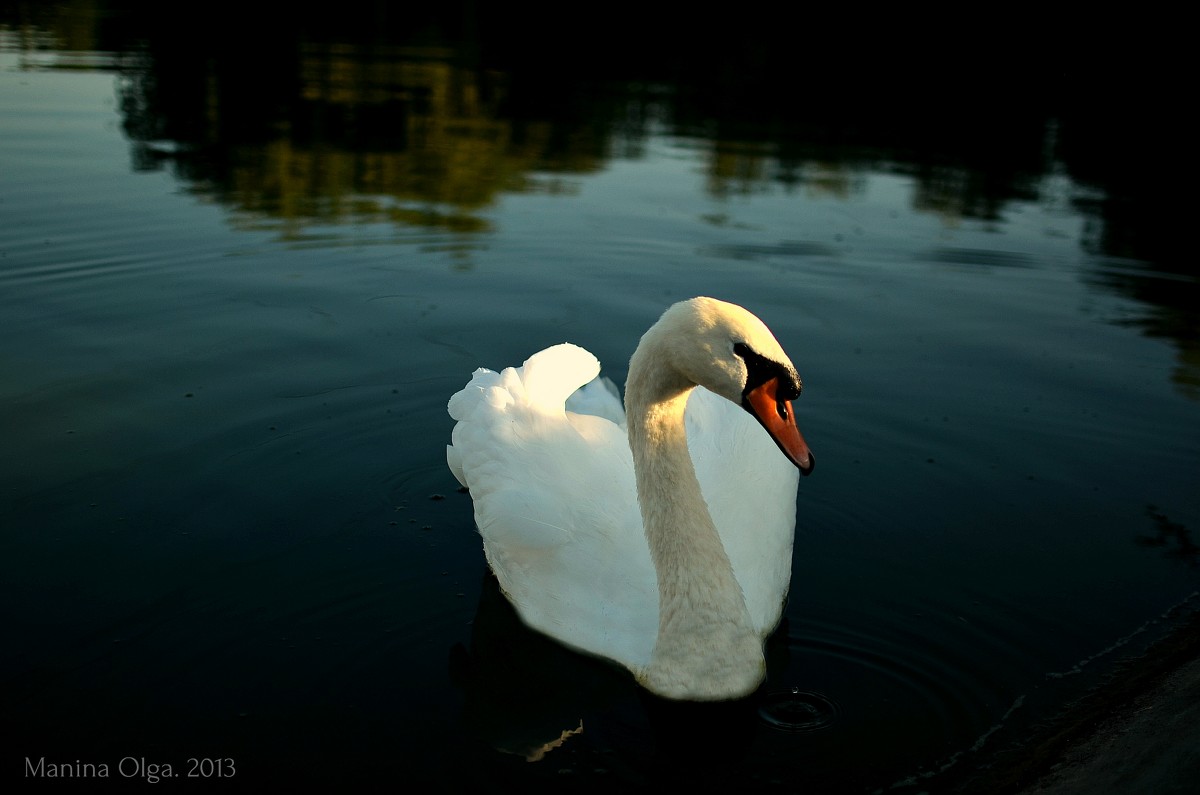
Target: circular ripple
[(798, 710)]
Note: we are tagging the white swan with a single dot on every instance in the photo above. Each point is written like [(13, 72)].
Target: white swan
[(684, 591)]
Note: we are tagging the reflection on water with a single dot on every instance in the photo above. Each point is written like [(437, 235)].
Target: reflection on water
[(394, 134), (1172, 537), (363, 114), (1168, 294), (956, 239)]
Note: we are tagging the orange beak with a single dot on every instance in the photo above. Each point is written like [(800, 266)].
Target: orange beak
[(780, 421)]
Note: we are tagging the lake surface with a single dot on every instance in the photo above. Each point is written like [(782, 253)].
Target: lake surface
[(243, 267)]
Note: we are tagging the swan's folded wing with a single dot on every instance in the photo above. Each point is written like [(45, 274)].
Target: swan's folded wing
[(600, 398), (556, 505)]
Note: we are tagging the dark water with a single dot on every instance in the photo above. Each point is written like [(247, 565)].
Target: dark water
[(245, 261)]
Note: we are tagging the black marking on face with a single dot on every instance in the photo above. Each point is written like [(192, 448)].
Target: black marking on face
[(760, 369)]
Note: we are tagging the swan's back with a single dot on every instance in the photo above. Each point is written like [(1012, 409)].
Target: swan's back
[(555, 502)]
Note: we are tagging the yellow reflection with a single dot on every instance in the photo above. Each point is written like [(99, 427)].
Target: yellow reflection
[(538, 754)]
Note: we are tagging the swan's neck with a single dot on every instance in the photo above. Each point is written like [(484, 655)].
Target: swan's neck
[(706, 646)]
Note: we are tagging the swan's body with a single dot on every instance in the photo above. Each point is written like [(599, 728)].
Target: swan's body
[(664, 545)]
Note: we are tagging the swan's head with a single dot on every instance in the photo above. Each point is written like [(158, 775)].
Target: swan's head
[(730, 352)]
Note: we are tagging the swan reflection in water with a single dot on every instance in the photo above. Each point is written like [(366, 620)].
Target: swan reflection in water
[(528, 696)]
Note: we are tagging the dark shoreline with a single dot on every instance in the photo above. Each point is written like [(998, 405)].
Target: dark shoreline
[(1138, 731)]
